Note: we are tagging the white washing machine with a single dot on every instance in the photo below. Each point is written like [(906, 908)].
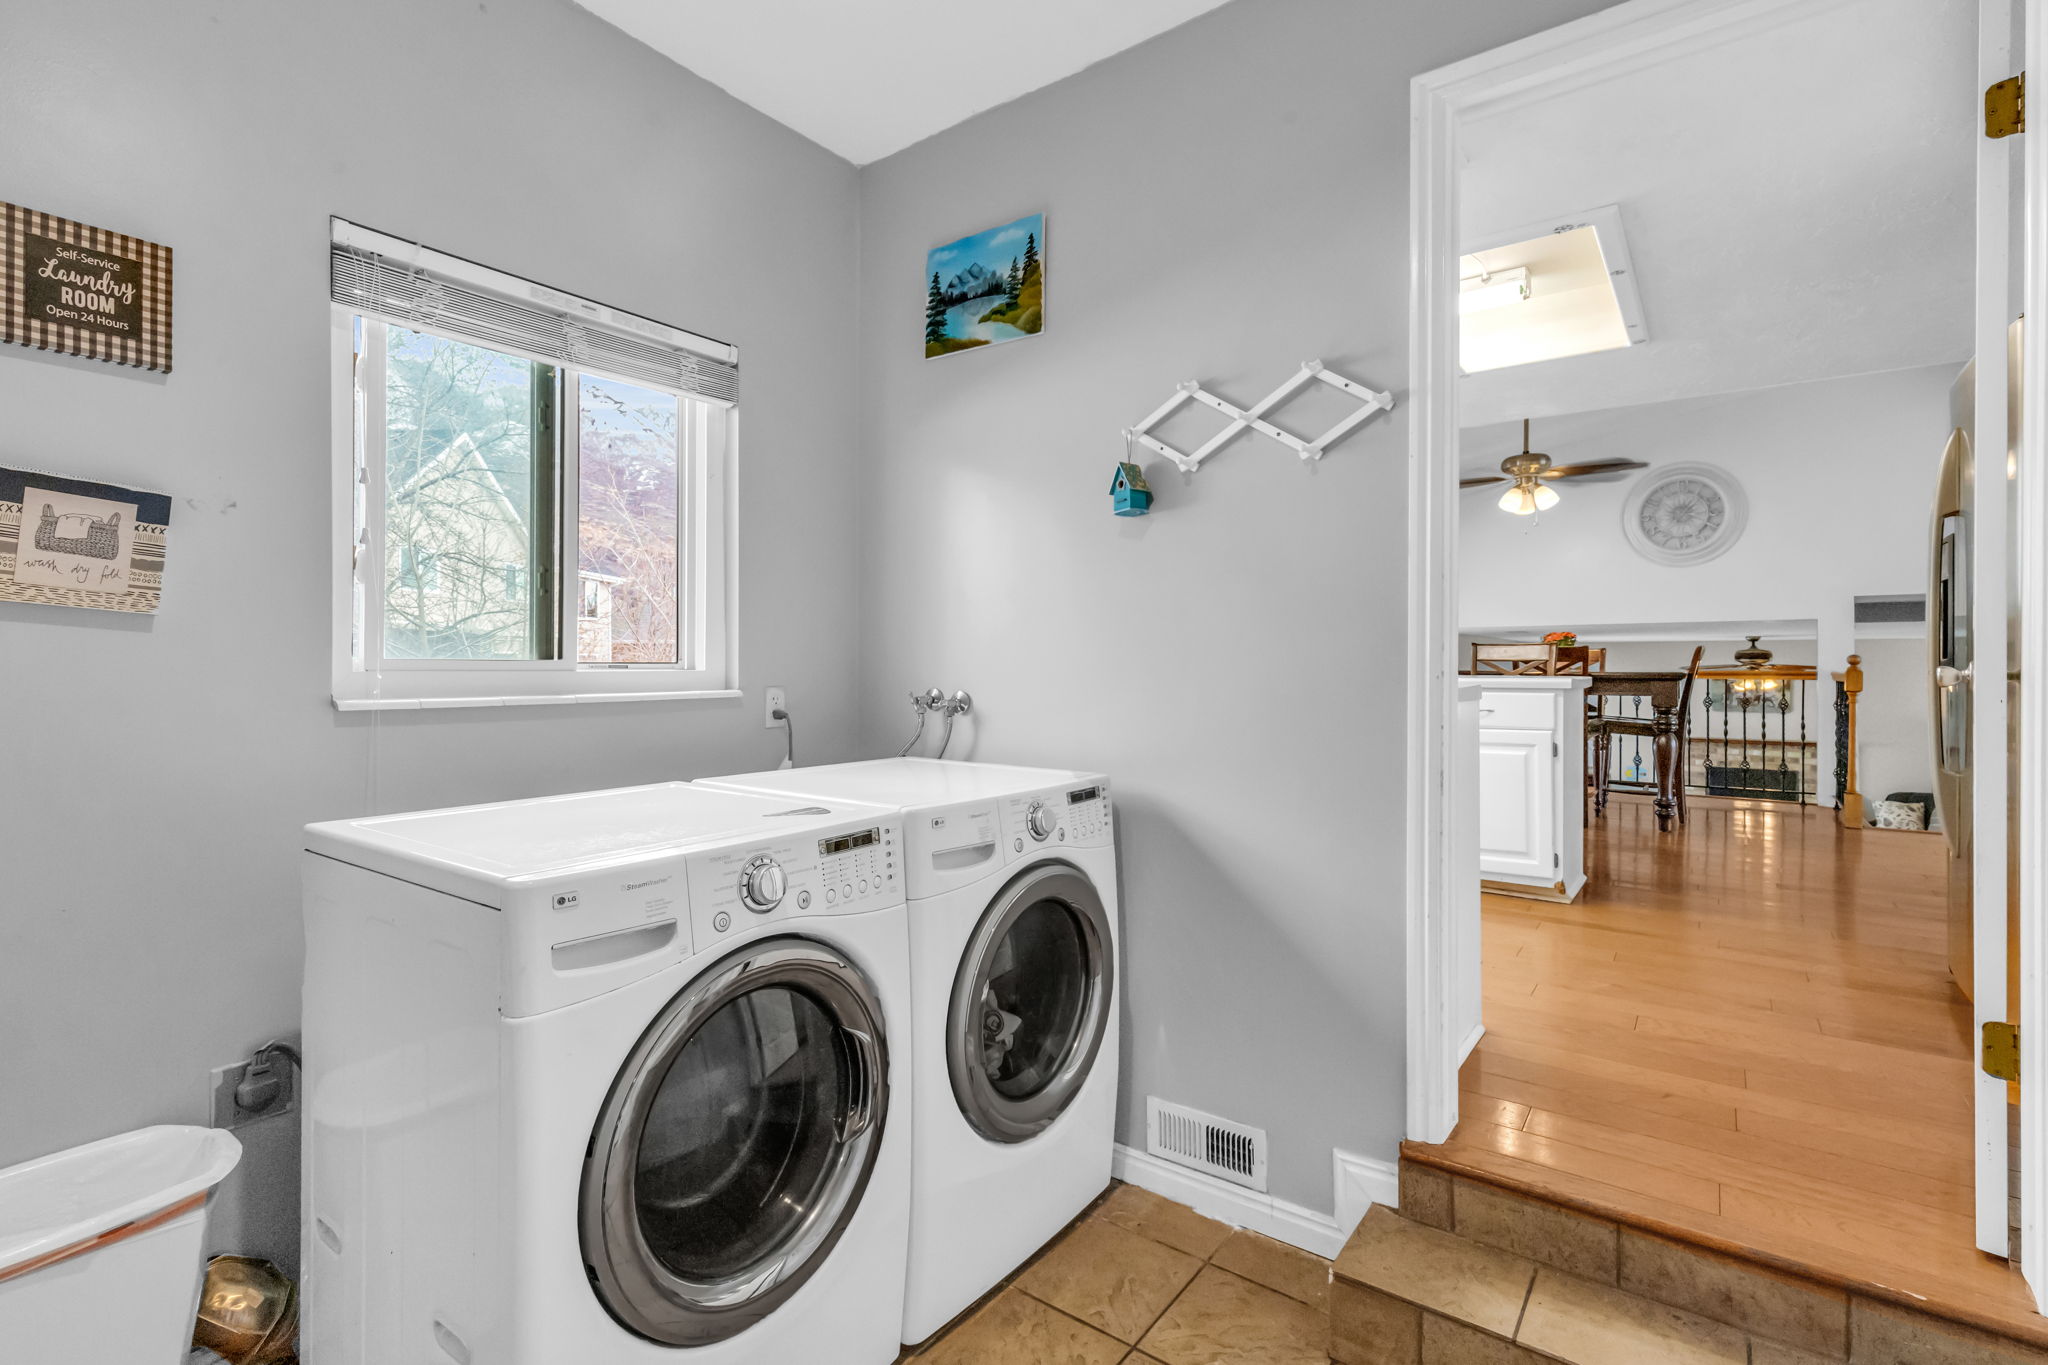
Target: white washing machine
[(606, 1078), (1011, 874)]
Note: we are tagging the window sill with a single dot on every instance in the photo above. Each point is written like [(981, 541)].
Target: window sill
[(564, 699)]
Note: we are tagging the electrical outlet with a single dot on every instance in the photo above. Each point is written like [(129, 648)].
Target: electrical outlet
[(228, 1113), (778, 700)]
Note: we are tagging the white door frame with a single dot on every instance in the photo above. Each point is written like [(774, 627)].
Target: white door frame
[(2031, 510), (1628, 35), (1988, 518)]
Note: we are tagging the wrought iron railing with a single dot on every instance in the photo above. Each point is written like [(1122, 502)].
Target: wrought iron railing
[(1750, 733)]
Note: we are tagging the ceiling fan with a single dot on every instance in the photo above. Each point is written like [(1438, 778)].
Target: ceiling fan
[(1529, 472)]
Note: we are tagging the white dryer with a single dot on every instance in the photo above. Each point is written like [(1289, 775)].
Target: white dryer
[(606, 1078), (1011, 874)]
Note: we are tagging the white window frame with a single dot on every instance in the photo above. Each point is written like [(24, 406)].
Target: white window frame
[(707, 564)]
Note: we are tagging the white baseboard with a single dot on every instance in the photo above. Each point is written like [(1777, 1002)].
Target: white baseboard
[(1363, 1181), (1471, 1041), (1310, 1229)]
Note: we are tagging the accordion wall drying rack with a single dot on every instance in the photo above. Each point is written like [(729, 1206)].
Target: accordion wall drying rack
[(1253, 417)]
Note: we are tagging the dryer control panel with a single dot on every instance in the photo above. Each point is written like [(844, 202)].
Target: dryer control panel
[(831, 872), (1046, 820)]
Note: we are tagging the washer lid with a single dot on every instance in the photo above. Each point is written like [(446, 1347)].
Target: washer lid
[(908, 782), (484, 852)]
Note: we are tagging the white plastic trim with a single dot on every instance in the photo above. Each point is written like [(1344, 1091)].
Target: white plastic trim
[(1309, 1229), (564, 699), (1989, 571), (2032, 662), (69, 1196), (1363, 1181)]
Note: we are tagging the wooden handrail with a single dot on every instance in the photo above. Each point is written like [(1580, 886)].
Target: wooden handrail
[(1850, 683), (1797, 671)]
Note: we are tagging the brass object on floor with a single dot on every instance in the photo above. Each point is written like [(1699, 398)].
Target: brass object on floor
[(248, 1311)]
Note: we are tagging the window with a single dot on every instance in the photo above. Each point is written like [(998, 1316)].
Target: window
[(534, 499)]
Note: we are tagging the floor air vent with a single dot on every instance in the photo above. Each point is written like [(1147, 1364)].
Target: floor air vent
[(1188, 1137)]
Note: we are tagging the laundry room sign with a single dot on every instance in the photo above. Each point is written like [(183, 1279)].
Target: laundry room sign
[(73, 543), (84, 290)]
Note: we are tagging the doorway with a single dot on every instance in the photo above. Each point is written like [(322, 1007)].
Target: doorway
[(1616, 45)]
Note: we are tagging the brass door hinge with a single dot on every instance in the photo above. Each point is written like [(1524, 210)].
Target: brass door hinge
[(2002, 1051), (2005, 107)]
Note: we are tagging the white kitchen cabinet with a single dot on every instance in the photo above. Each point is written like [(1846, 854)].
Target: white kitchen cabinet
[(1532, 756), (1517, 819)]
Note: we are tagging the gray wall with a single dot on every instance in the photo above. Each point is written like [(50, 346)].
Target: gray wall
[(1894, 729), (159, 769), (1223, 202)]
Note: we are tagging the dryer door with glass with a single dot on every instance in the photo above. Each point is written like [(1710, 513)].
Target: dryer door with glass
[(736, 1142), (1030, 1003)]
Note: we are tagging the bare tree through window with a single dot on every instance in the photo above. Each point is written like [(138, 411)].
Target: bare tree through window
[(460, 471), (628, 497)]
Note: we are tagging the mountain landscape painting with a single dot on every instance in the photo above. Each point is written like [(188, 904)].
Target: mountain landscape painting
[(985, 288)]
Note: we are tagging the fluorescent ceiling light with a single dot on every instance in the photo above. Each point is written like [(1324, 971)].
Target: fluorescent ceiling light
[(1588, 301), (1496, 289)]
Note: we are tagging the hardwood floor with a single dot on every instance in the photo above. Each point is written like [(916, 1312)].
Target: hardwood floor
[(1746, 1031)]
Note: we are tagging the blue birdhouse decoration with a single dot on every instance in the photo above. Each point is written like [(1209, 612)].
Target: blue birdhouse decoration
[(1128, 492)]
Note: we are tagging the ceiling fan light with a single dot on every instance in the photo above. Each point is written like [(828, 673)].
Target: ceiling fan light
[(1545, 497), (1519, 501)]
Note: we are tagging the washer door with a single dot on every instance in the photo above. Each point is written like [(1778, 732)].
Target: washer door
[(1031, 1003), (735, 1143)]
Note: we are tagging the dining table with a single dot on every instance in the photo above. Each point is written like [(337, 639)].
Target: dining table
[(1663, 690)]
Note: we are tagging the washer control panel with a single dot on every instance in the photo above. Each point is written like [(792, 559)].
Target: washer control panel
[(762, 884), (833, 872), (1038, 821)]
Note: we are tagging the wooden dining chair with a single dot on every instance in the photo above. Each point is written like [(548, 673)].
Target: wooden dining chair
[(1604, 728)]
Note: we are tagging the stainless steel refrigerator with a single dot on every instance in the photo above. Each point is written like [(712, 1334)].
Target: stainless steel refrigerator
[(1953, 628)]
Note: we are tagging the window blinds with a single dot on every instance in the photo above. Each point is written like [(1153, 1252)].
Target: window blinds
[(411, 284)]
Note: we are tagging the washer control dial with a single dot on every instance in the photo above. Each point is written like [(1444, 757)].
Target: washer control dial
[(1041, 820), (762, 884)]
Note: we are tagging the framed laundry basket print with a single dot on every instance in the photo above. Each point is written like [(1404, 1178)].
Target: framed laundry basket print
[(75, 543)]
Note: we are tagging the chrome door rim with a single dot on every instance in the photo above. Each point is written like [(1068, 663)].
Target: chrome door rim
[(994, 1115), (641, 1293)]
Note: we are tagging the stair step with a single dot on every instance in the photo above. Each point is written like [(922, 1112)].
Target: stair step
[(1470, 1273), (1403, 1293)]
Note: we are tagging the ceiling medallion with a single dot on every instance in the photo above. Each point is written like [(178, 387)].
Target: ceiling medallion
[(1684, 514)]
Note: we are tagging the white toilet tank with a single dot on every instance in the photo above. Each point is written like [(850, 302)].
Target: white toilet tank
[(102, 1246)]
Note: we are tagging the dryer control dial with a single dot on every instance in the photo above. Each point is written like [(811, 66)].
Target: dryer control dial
[(1041, 820), (763, 884)]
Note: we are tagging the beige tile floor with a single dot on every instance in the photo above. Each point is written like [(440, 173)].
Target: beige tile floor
[(1140, 1280)]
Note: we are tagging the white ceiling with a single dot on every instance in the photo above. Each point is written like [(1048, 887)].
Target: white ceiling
[(1798, 204), (869, 77)]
